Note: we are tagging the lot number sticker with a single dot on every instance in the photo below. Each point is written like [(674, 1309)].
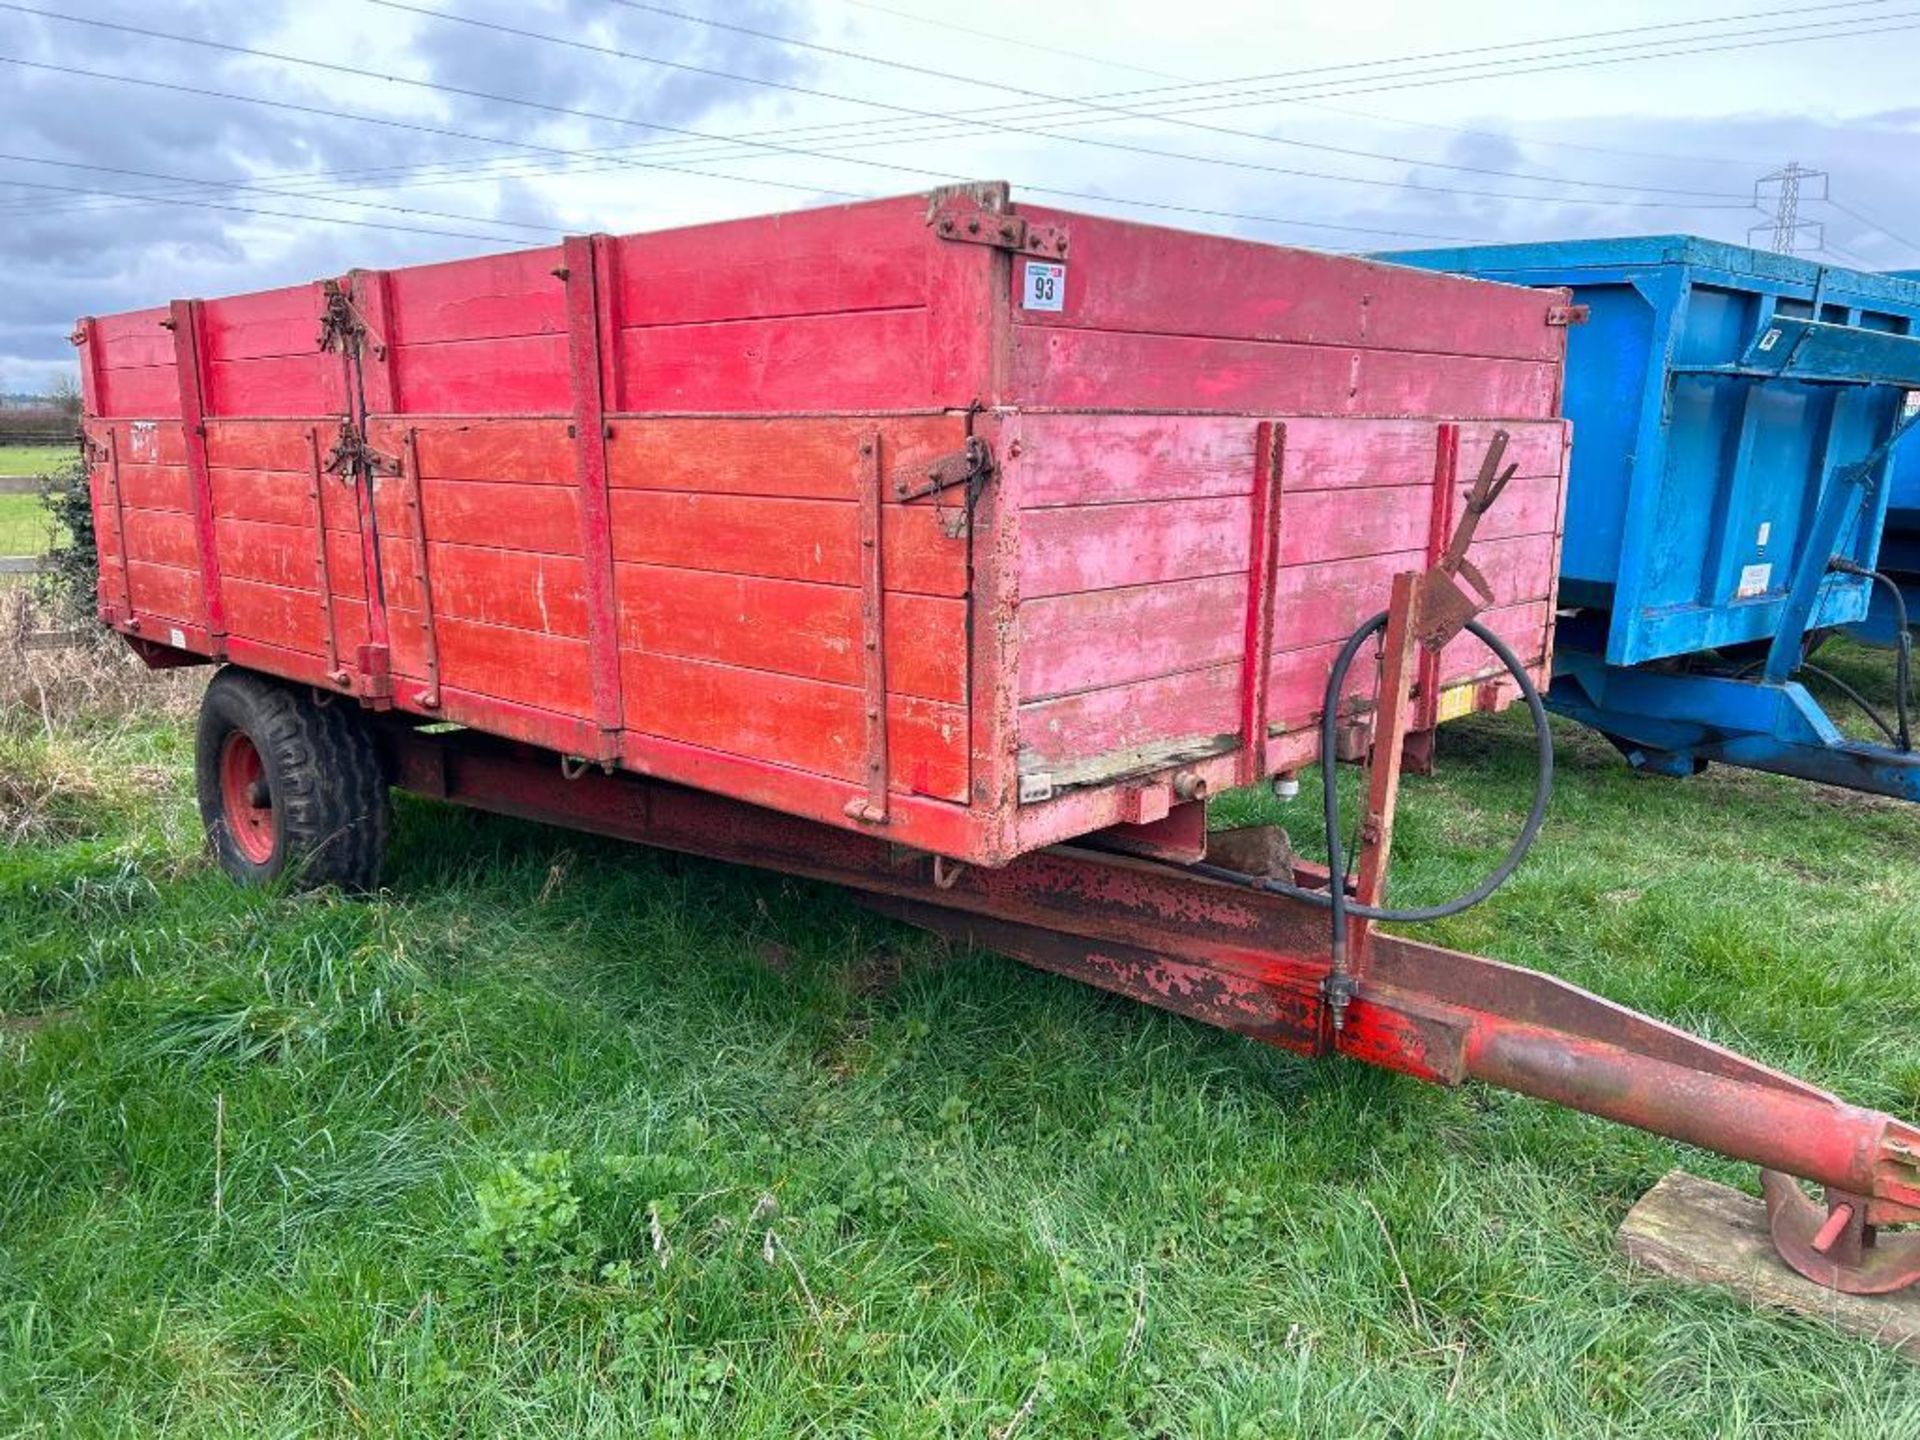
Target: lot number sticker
[(1046, 287)]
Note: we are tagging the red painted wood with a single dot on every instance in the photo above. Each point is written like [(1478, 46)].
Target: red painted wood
[(1263, 559), (1101, 547), (141, 390), (282, 554), (1198, 706), (1100, 459), (586, 324), (1124, 276), (162, 537), (667, 439), (1326, 454), (190, 366), (813, 540), (792, 627), (1100, 369), (864, 360), (801, 724), (154, 487), (823, 261), (795, 457), (1109, 637)]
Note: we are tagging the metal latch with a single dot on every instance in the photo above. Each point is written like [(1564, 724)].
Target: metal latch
[(352, 455), (1562, 315), (971, 463), (342, 326)]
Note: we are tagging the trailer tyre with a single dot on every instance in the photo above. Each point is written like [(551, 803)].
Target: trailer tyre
[(289, 787)]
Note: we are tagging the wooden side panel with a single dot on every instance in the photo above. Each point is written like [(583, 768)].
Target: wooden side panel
[(824, 310), (738, 565), (262, 357), (1133, 630), (479, 337), (132, 367)]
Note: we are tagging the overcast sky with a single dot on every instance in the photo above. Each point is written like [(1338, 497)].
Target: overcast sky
[(1197, 115)]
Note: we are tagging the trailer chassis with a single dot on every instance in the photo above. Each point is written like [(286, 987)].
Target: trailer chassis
[(1257, 963)]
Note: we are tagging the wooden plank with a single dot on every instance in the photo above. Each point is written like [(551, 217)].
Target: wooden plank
[(796, 457), (1330, 454), (1099, 459), (162, 537), (249, 444), (1694, 1230), (510, 375), (1110, 637), (813, 540), (1145, 278), (1101, 547), (155, 487), (1099, 369), (282, 322), (527, 452), (21, 484), (277, 497), (503, 515), (1326, 525), (486, 298), (801, 724), (284, 555), (866, 360), (1123, 729), (792, 627), (304, 384), (293, 618), (150, 442), (141, 390), (23, 564)]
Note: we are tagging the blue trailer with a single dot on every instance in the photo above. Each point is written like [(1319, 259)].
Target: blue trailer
[(1900, 539), (1735, 418)]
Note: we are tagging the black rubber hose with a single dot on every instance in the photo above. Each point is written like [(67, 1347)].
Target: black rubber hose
[(1902, 658), (1335, 897)]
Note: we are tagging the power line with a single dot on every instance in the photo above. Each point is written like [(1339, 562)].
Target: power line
[(439, 130), (610, 118), (199, 204), (1399, 122), (632, 154), (252, 189), (1870, 222)]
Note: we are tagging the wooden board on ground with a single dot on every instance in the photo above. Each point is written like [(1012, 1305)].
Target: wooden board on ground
[(1687, 1228)]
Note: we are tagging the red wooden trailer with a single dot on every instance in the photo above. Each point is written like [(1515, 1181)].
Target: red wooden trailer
[(981, 529), (891, 544)]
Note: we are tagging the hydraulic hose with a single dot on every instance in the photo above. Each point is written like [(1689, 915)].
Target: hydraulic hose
[(1335, 898)]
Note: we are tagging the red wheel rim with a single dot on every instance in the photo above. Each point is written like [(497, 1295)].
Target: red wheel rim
[(244, 798)]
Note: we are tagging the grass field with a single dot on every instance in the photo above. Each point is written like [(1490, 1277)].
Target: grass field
[(24, 527), (561, 1137)]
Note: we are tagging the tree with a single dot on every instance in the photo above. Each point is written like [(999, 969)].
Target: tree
[(65, 396)]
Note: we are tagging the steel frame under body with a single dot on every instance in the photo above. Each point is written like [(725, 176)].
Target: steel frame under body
[(1257, 963)]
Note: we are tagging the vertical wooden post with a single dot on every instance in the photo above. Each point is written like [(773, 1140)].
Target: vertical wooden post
[(1392, 712), (1269, 458), (322, 563), (581, 269), (1446, 504), (183, 318), (872, 807), (429, 699)]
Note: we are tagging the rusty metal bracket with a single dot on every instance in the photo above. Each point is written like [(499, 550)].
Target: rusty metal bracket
[(352, 456), (1441, 607), (1837, 1245), (971, 464), (1564, 315), (978, 215), (342, 326)]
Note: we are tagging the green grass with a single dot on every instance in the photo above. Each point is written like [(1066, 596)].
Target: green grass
[(492, 1153), (25, 527), (34, 459)]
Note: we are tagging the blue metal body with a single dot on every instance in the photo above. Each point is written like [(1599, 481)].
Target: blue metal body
[(1734, 414), (1900, 537)]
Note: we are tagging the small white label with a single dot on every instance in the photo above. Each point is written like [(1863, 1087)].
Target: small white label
[(1769, 340), (143, 438), (177, 638), (1766, 534), (1754, 580), (1911, 405), (1035, 788), (1046, 286)]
